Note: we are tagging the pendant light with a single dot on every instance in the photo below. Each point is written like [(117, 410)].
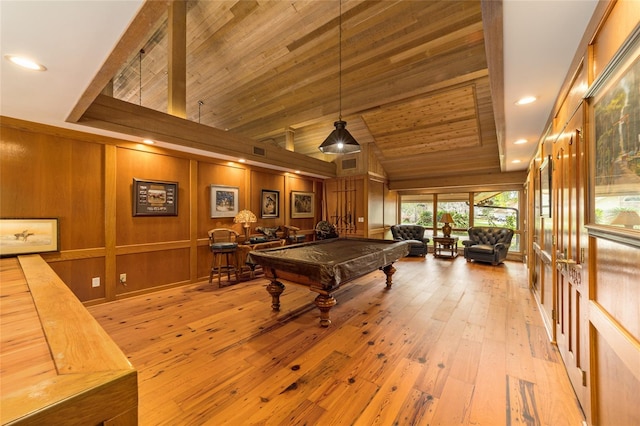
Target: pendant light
[(340, 140)]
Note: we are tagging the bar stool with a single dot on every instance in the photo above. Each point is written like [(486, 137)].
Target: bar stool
[(223, 245), (291, 235)]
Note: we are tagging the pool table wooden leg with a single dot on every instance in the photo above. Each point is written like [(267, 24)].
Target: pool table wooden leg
[(325, 302), (275, 289), (389, 270)]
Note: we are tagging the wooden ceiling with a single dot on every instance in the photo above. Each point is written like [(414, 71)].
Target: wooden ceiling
[(412, 75)]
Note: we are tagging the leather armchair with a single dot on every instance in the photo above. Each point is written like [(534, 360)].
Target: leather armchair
[(486, 244), (413, 233)]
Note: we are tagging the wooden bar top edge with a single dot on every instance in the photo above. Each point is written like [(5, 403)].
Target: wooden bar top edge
[(95, 380)]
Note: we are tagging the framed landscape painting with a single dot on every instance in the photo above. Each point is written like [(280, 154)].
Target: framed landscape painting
[(25, 236), (615, 164), (224, 201), (302, 204)]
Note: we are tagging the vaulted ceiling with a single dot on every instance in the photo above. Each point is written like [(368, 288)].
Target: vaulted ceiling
[(410, 78), (420, 83)]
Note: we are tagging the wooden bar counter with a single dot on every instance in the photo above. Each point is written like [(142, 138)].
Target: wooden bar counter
[(58, 366)]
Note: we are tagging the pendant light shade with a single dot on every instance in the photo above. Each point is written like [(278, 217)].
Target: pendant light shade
[(339, 141)]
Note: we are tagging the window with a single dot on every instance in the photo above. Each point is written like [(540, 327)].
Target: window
[(498, 208), (489, 208), (457, 205), (417, 210)]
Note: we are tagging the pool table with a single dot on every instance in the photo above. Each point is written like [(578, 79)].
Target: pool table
[(325, 265)]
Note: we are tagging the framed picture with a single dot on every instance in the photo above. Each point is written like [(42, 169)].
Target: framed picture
[(546, 170), (302, 204), (615, 164), (25, 236), (270, 204), (155, 198), (224, 201)]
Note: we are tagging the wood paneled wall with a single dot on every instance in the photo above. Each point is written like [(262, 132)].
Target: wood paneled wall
[(363, 197), (86, 181), (345, 201), (590, 307)]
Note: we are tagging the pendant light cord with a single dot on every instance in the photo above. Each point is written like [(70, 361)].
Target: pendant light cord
[(340, 62), (140, 77)]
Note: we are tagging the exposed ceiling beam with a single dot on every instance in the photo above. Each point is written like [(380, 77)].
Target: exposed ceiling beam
[(486, 180), (493, 27), (119, 116)]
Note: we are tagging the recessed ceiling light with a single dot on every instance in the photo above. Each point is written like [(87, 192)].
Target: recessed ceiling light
[(242, 160), (25, 62), (520, 142), (516, 161), (148, 141), (297, 171), (526, 100)]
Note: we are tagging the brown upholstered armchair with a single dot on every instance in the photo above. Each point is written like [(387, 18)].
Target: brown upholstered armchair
[(414, 233), (486, 244)]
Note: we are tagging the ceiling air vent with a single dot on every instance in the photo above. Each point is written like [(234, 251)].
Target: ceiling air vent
[(349, 164), (259, 151)]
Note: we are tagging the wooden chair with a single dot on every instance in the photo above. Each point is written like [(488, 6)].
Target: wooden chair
[(223, 244), (291, 235)]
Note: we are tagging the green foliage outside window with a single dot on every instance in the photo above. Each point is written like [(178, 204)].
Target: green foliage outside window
[(500, 208)]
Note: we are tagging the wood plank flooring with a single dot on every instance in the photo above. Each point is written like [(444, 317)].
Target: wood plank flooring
[(451, 343)]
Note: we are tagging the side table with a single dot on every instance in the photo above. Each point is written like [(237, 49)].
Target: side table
[(445, 247)]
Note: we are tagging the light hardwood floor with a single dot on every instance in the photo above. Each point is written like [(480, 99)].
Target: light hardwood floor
[(451, 343)]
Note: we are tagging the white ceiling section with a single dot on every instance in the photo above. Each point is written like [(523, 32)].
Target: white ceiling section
[(540, 40), (73, 39)]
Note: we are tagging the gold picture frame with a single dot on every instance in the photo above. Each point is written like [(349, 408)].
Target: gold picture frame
[(615, 163), (26, 236), (302, 204)]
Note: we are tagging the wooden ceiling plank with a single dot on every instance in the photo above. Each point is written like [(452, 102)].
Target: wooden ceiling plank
[(365, 98), (315, 67), (414, 78), (177, 66)]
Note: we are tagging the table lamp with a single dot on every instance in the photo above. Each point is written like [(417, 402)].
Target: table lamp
[(627, 218), (446, 228), (245, 217)]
